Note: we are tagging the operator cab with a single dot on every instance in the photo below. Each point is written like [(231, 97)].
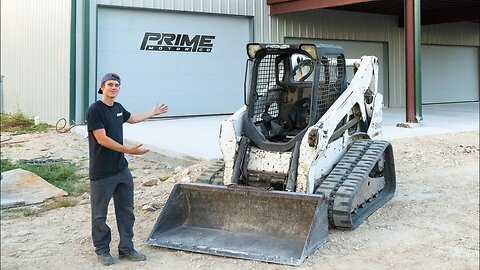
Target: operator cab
[(291, 87)]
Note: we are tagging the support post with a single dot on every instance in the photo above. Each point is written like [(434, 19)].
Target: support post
[(73, 59), (86, 58), (418, 60), (410, 62)]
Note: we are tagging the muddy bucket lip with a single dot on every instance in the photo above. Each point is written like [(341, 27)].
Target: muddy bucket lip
[(275, 254), (252, 245), (250, 190)]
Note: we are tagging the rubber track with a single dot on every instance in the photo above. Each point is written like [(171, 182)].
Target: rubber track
[(350, 173), (213, 174)]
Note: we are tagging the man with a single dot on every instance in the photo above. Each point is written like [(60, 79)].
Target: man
[(108, 170)]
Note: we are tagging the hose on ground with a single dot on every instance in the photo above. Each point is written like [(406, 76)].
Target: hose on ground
[(61, 126)]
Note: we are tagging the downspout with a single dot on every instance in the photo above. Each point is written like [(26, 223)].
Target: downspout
[(73, 50), (409, 63), (418, 60)]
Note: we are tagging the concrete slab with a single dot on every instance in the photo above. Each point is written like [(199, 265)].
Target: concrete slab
[(21, 187), (437, 119), (181, 138), (197, 137)]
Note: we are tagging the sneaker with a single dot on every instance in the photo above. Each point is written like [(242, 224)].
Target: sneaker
[(132, 255), (106, 259)]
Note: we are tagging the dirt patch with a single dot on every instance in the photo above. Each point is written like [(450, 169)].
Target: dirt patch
[(431, 223)]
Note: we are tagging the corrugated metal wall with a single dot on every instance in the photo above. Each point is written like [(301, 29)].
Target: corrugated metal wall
[(233, 7), (463, 34), (35, 57)]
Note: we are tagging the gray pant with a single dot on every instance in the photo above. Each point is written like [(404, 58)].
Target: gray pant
[(120, 186)]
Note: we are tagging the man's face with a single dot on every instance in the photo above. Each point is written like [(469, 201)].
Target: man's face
[(110, 88)]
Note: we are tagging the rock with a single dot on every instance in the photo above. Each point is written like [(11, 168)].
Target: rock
[(470, 149), (84, 201), (149, 182), (185, 179), (149, 207), (25, 188), (164, 176), (86, 195), (157, 205), (185, 172), (178, 169), (403, 125)]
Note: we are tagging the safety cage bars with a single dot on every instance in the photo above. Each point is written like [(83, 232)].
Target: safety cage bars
[(331, 82), (270, 97)]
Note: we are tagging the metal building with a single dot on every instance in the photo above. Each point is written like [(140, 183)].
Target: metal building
[(35, 57), (191, 54)]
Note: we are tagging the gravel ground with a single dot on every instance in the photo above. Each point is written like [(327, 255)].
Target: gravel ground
[(431, 223)]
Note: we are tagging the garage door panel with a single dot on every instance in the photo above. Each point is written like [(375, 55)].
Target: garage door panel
[(186, 81), (449, 74), (183, 91)]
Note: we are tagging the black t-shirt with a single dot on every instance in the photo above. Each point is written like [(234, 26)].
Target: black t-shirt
[(105, 162)]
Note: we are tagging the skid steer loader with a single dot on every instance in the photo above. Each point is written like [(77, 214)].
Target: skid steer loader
[(303, 154)]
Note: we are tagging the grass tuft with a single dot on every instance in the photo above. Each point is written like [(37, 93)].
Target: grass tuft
[(26, 211), (59, 202), (19, 122)]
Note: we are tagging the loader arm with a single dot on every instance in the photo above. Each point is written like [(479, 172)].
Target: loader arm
[(360, 94), (229, 137)]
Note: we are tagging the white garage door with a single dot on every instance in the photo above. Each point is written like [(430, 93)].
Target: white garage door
[(449, 74), (195, 63), (357, 49)]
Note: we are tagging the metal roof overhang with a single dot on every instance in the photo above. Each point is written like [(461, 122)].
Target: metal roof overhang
[(433, 11)]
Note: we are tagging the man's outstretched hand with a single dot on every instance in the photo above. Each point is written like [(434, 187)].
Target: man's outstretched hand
[(157, 110), (136, 150)]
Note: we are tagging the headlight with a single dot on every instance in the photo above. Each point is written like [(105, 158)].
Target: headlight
[(252, 49), (310, 49)]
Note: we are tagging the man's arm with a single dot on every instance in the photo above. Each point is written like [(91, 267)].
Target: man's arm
[(157, 110), (105, 141)]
